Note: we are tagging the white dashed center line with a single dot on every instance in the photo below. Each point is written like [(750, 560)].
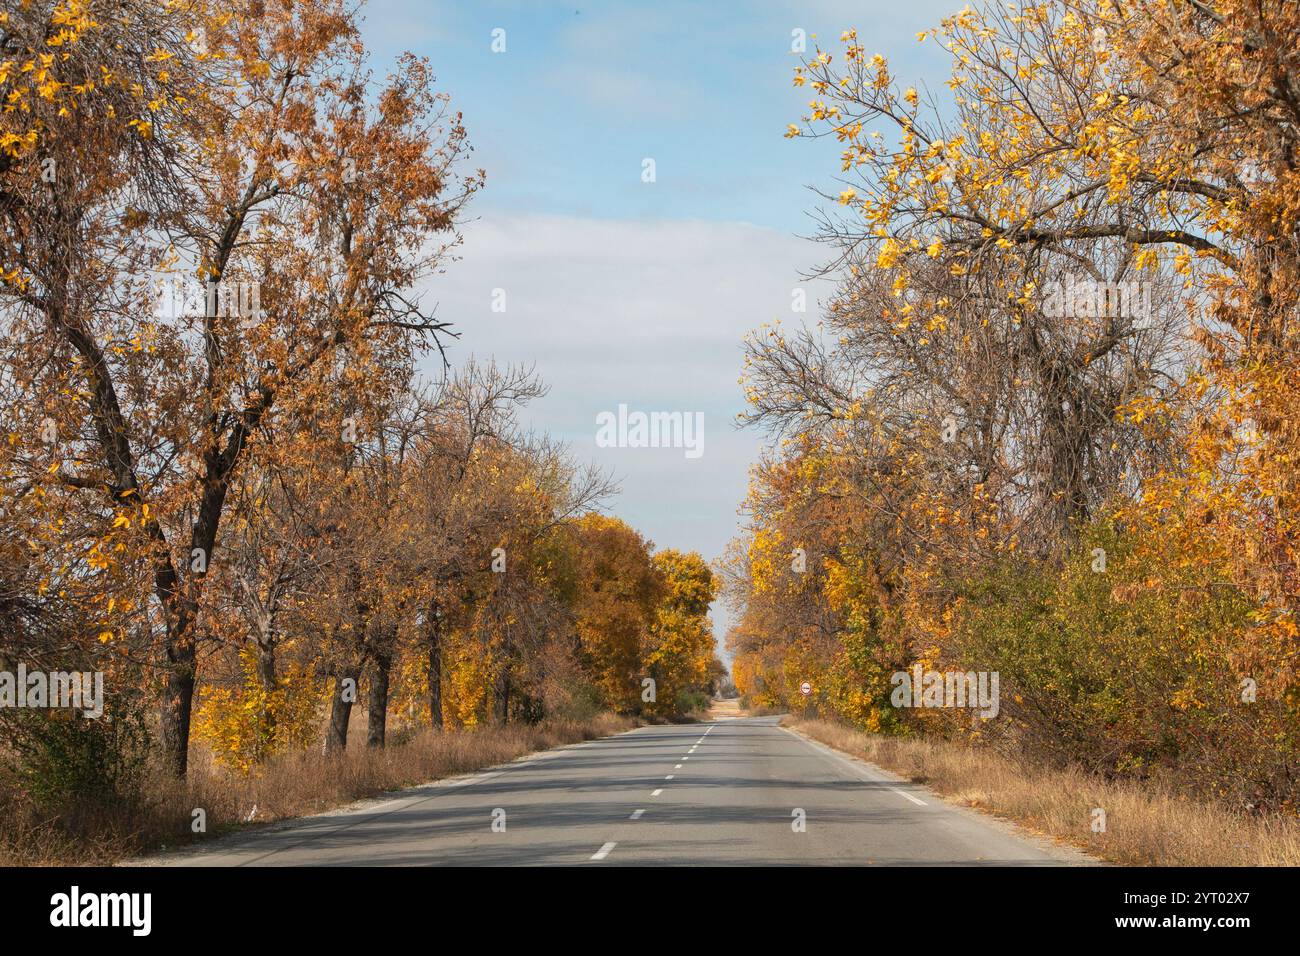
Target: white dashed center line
[(657, 792), (636, 814), (603, 851), (669, 777)]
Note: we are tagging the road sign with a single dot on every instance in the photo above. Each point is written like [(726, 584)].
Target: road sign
[(806, 689)]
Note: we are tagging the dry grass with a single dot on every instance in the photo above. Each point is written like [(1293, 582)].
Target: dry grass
[(1145, 825), (290, 786)]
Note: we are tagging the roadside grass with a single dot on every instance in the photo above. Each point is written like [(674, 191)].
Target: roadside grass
[(289, 786), (1146, 825)]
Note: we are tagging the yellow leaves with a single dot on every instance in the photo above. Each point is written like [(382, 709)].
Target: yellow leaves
[(96, 559), (848, 132), (1063, 152), (847, 196), (821, 111), (246, 724), (888, 256)]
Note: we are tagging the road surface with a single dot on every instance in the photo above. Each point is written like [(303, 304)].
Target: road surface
[(727, 792)]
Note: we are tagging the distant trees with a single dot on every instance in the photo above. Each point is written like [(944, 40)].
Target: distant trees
[(467, 579), (1062, 338)]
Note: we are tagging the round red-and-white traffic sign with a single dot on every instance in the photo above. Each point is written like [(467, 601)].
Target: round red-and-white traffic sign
[(806, 689)]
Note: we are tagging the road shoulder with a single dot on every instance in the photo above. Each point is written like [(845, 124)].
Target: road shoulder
[(1058, 850), (344, 815)]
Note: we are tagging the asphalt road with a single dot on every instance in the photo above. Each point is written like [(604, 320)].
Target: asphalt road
[(730, 792)]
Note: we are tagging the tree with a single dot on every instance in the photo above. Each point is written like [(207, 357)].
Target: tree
[(1063, 327), (679, 647), (613, 610), (263, 163)]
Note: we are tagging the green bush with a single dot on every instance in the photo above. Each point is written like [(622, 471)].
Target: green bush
[(584, 703), (66, 763), (1126, 671), (691, 701)]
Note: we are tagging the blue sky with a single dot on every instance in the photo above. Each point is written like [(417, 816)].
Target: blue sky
[(621, 291), (585, 91)]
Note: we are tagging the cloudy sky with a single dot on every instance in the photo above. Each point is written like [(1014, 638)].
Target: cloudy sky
[(622, 291)]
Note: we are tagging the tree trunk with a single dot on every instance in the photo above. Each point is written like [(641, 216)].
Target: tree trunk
[(341, 710), (433, 644), (377, 723), (180, 602), (266, 678), (177, 704), (503, 697)]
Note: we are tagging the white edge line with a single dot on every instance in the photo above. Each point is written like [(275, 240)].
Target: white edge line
[(904, 793)]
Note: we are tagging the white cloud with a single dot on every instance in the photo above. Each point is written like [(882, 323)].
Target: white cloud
[(650, 314)]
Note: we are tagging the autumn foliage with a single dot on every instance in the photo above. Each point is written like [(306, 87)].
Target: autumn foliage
[(228, 480), (1048, 425)]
